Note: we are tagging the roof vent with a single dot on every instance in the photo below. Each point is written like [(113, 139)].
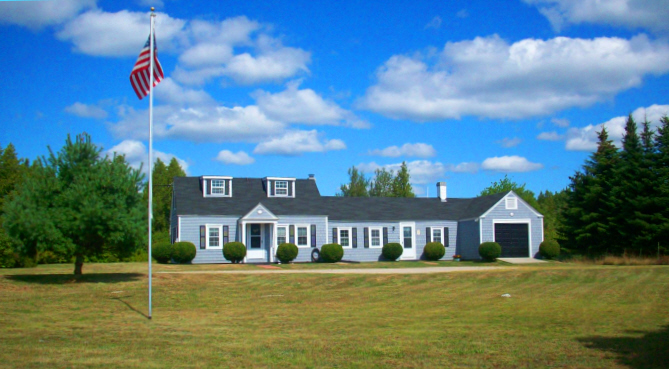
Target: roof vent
[(441, 191)]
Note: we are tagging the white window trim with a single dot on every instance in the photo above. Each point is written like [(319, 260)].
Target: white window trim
[(207, 179), (276, 193), (380, 229), (511, 203), (277, 234), (308, 227), (220, 236), (217, 187), (350, 236), (441, 231)]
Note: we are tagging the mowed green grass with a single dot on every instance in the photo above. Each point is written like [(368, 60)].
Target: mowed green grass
[(556, 317)]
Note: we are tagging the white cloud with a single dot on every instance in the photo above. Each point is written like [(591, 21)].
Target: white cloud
[(585, 138), (304, 106), (509, 142), (434, 23), (550, 136), (295, 143), (86, 111), (488, 77), (137, 155), (123, 33), (464, 167), (560, 122), (422, 171), (38, 14), (172, 93), (198, 124), (649, 14), (510, 164), (239, 158), (420, 150), (274, 65)]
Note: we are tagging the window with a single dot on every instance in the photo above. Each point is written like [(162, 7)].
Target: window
[(345, 237), (281, 188), (511, 203), (214, 234), (302, 236), (218, 186), (375, 237), (281, 235), (436, 235)]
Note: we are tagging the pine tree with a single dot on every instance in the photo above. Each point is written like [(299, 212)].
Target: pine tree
[(661, 160), (357, 185), (382, 184), (401, 184)]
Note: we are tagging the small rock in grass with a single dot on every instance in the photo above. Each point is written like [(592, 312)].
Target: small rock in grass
[(506, 295)]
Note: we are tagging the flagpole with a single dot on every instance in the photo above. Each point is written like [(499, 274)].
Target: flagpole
[(153, 15)]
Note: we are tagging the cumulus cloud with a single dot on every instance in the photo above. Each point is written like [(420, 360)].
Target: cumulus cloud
[(509, 142), (560, 122), (172, 93), (86, 111), (488, 77), (239, 158), (509, 164), (422, 171), (295, 143), (420, 150), (585, 138), (137, 155), (649, 14), (550, 136), (304, 106), (39, 14)]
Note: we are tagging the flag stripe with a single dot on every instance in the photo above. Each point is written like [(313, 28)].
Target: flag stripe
[(140, 77)]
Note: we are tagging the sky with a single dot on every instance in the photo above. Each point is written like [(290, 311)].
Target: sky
[(464, 92)]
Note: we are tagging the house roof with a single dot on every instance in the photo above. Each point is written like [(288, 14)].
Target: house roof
[(249, 192)]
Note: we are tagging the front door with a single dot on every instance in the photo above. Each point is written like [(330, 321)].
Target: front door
[(408, 241), (256, 237), (255, 249)]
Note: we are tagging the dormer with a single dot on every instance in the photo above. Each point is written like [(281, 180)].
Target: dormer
[(216, 186), (279, 186)]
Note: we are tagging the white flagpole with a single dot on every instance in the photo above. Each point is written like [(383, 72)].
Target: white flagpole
[(153, 15)]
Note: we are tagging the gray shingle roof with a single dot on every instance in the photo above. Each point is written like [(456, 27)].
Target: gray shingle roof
[(248, 192)]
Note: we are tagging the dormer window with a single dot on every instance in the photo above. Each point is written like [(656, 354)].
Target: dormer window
[(217, 186), (281, 188)]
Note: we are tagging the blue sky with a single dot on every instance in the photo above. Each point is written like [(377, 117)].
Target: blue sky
[(463, 91)]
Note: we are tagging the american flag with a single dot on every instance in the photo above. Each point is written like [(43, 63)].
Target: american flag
[(139, 77)]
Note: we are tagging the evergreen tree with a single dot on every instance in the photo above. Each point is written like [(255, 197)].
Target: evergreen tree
[(661, 161), (78, 204), (12, 170), (382, 184), (551, 206), (401, 184), (357, 185)]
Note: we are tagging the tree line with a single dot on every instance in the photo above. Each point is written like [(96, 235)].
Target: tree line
[(385, 183)]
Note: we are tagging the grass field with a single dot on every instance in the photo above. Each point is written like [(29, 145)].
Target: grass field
[(577, 316)]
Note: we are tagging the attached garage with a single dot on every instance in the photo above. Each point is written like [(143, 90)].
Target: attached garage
[(514, 239)]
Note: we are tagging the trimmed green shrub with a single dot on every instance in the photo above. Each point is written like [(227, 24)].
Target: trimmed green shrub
[(234, 252), (549, 249), (434, 251), (332, 253), (162, 252), (183, 252), (392, 251), (286, 252), (490, 251)]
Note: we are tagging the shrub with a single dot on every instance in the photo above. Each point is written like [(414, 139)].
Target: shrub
[(490, 251), (234, 252), (286, 252), (434, 251), (183, 252), (549, 249), (162, 252), (392, 251), (332, 253)]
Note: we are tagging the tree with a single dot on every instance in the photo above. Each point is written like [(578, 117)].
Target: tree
[(551, 205), (357, 185), (382, 184), (661, 160), (505, 185), (79, 204), (401, 184), (163, 177), (12, 170)]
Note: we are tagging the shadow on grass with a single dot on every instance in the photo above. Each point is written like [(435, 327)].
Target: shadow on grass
[(70, 278), (130, 307), (650, 350)]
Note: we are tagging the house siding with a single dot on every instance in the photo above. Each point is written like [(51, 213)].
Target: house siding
[(468, 239), (190, 231), (498, 213), (304, 253), (361, 253), (421, 239)]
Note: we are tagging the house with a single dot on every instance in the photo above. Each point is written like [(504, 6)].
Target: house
[(210, 211)]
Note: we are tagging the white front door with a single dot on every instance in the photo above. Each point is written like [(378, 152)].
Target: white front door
[(408, 241), (255, 244)]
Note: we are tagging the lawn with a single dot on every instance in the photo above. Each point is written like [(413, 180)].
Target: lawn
[(557, 317)]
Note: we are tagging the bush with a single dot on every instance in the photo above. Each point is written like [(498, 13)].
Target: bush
[(162, 252), (286, 252), (332, 253), (490, 251), (549, 249), (392, 251), (183, 252), (434, 251), (234, 252)]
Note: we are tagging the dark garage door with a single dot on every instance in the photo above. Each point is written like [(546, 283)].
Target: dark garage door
[(513, 238)]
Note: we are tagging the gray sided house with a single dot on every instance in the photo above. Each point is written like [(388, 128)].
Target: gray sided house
[(262, 213)]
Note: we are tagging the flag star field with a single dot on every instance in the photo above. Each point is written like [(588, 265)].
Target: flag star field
[(462, 91)]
